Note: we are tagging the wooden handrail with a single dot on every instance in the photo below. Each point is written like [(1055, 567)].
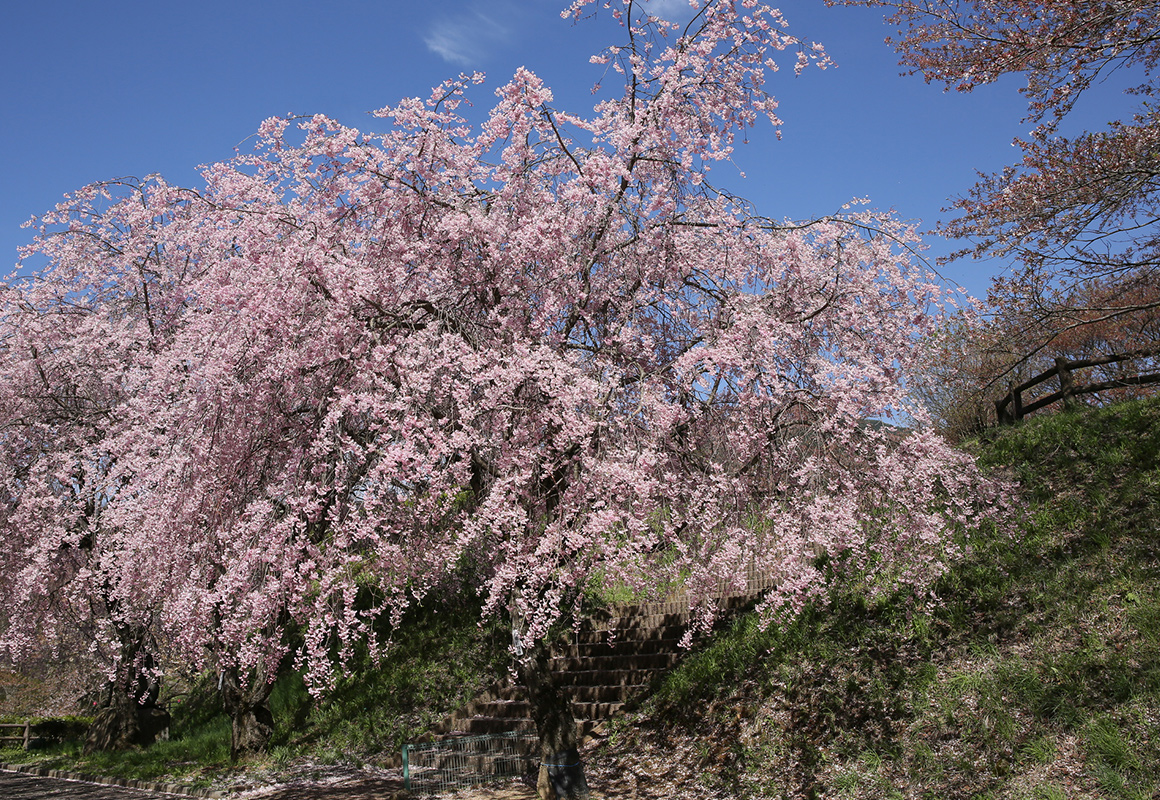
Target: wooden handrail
[(1067, 387), (26, 732)]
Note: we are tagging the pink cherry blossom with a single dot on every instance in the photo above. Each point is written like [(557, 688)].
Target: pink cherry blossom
[(351, 366)]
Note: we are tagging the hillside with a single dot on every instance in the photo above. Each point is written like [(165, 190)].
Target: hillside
[(1036, 675)]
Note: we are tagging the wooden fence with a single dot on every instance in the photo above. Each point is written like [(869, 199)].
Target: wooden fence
[(23, 735), (1009, 408)]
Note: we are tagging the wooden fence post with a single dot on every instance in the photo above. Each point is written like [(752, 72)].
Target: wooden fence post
[(27, 734), (1066, 383), (1068, 390), (1016, 402)]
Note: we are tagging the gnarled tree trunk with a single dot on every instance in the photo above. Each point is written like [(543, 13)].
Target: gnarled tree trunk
[(127, 711), (561, 772), (251, 723), (121, 722)]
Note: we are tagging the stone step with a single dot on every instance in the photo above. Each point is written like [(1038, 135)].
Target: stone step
[(510, 692), (608, 677), (649, 634), (474, 726), (621, 621), (754, 589), (603, 694), (512, 700), (644, 623), (635, 609), (620, 647), (585, 726), (594, 711), (567, 664), (506, 708), (481, 724), (615, 655)]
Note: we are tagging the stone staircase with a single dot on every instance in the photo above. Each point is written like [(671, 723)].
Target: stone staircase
[(613, 658)]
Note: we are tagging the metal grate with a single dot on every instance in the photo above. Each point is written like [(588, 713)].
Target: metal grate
[(457, 761)]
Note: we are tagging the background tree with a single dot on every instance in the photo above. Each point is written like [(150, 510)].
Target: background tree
[(80, 340), (66, 348), (1077, 214), (545, 347), (978, 355)]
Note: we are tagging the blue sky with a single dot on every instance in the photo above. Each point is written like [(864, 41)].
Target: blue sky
[(92, 91)]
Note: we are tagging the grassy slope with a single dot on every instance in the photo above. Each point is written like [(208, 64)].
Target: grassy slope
[(440, 659), (1039, 677)]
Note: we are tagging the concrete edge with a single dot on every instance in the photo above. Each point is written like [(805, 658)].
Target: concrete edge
[(127, 783)]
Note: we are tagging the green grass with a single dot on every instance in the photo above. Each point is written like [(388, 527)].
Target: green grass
[(194, 758), (1041, 660), (437, 663), (438, 660)]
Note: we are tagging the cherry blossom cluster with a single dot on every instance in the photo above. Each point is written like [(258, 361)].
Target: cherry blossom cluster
[(352, 370)]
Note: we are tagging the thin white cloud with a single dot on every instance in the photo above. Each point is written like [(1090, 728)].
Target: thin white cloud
[(672, 10), (467, 39)]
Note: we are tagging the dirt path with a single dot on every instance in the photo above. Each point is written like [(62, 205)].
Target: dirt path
[(20, 786), (17, 786), (386, 790)]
